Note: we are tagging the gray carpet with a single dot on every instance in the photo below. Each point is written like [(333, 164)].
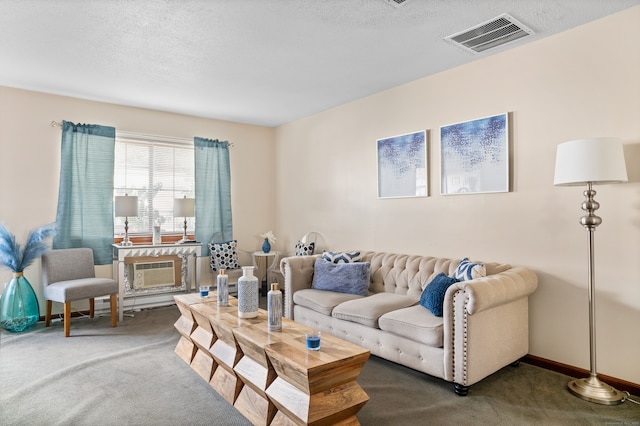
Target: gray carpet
[(130, 375)]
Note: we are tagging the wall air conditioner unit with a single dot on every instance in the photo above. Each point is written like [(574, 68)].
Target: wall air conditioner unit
[(154, 274)]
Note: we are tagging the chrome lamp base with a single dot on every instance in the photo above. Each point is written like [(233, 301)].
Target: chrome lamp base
[(126, 242), (594, 390), (184, 239)]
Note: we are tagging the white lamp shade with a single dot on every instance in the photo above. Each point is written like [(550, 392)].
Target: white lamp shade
[(126, 205), (184, 207), (597, 160)]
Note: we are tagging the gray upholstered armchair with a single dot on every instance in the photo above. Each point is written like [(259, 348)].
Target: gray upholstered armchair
[(68, 275)]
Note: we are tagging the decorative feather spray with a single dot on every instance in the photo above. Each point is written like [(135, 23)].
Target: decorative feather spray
[(16, 258)]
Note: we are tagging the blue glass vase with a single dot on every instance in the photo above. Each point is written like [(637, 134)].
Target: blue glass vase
[(266, 247), (19, 307)]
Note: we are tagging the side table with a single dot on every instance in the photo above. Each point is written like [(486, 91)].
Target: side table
[(257, 256)]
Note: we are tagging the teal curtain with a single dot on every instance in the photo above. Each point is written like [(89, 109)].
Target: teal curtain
[(85, 197), (213, 192)]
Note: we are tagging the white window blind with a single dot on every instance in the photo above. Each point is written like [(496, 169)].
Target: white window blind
[(157, 169)]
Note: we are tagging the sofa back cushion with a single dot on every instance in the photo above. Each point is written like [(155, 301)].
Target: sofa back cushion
[(405, 274), (410, 274)]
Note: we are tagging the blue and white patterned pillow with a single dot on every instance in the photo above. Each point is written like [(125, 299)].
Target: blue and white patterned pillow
[(305, 249), (342, 256), (469, 271), (224, 255)]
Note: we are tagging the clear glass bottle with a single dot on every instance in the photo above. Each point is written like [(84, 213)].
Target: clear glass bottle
[(223, 288), (248, 293), (274, 308)]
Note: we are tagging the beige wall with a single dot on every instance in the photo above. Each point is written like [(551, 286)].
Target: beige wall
[(581, 83), (30, 163)]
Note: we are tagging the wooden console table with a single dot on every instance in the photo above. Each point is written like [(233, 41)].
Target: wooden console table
[(270, 377)]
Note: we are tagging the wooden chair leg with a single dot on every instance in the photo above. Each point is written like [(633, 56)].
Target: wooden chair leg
[(47, 317), (92, 307), (67, 319), (114, 311)]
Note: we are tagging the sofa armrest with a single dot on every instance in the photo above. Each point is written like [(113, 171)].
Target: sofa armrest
[(486, 324), (494, 290), (298, 274)]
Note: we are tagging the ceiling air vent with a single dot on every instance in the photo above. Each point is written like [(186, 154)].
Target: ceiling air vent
[(496, 32)]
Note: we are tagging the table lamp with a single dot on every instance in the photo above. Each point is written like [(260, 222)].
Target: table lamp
[(126, 206), (184, 207)]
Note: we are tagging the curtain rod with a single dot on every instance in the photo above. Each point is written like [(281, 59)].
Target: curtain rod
[(134, 135)]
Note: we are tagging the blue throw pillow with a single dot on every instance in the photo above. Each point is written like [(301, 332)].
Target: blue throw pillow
[(432, 296), (352, 278)]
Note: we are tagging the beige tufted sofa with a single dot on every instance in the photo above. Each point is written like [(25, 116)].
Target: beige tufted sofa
[(484, 326)]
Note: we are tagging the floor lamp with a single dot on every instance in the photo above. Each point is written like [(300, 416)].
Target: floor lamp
[(126, 206), (591, 162), (184, 207)]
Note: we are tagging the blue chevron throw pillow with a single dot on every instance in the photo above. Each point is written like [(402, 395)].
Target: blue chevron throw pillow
[(342, 256), (469, 271)]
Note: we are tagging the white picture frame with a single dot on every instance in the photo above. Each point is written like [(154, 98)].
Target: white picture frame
[(474, 156), (402, 166)]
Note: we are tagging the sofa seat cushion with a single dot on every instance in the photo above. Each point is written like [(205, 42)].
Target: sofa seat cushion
[(415, 323), (321, 301), (367, 310)]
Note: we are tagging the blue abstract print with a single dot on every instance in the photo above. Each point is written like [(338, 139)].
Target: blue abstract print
[(475, 156), (402, 170)]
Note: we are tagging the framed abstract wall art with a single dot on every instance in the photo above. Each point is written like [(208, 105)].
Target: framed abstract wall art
[(474, 156), (402, 166)]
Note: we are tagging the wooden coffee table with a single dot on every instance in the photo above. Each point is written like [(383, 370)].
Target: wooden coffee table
[(270, 377)]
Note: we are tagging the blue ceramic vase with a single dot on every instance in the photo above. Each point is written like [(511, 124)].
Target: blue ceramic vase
[(266, 247), (19, 307)]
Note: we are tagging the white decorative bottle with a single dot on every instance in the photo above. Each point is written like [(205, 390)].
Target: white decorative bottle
[(223, 288), (247, 294), (274, 308), (157, 236)]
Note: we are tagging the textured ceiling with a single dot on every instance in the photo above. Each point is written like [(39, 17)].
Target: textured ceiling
[(264, 62)]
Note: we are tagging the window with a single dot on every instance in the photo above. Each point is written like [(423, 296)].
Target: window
[(157, 169)]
